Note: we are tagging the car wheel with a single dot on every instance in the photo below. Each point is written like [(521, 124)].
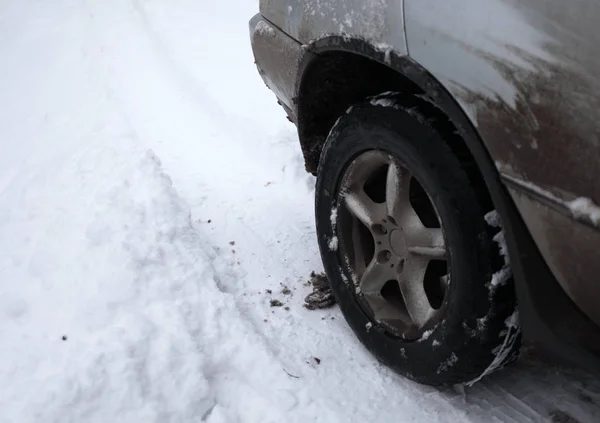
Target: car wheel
[(415, 260)]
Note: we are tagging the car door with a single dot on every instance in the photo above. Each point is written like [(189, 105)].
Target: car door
[(527, 74)]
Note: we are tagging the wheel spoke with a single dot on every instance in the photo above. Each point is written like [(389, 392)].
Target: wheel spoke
[(428, 242), (362, 207), (375, 277), (397, 191), (383, 310), (413, 291)]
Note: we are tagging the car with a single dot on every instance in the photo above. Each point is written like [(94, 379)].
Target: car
[(456, 148)]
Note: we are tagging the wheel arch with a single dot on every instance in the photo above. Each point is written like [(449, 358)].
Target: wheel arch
[(349, 59)]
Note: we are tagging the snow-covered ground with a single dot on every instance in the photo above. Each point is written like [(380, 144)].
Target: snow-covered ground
[(151, 192)]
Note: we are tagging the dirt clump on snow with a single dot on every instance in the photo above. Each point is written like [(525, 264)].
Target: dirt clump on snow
[(321, 297), (276, 303)]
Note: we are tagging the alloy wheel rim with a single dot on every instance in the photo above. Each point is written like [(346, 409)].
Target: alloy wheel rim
[(392, 243)]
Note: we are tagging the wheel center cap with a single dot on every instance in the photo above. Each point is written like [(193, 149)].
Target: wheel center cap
[(397, 242)]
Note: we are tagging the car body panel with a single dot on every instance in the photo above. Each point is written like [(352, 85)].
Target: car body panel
[(379, 21), (527, 75), (278, 57), (570, 249)]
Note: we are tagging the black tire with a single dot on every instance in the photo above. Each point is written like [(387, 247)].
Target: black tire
[(479, 330)]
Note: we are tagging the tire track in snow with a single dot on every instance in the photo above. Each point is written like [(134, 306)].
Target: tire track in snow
[(172, 327), (159, 322), (187, 84), (164, 101), (226, 274)]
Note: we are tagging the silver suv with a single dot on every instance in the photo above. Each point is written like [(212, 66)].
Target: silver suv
[(457, 151)]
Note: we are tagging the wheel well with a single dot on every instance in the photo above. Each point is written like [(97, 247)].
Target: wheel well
[(335, 80)]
